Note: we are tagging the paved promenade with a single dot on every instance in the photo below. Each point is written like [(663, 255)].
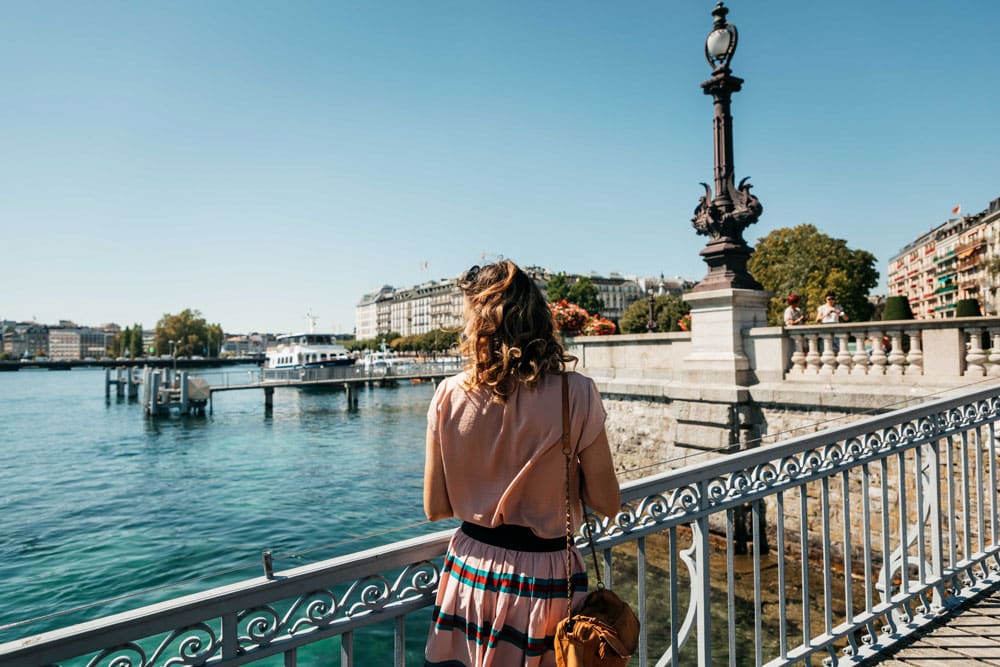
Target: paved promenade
[(970, 637)]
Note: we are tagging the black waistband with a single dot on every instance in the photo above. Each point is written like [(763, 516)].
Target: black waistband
[(516, 538)]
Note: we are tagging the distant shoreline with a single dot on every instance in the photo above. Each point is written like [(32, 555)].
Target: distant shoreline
[(68, 364)]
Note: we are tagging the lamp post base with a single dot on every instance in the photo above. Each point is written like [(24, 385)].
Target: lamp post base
[(727, 267)]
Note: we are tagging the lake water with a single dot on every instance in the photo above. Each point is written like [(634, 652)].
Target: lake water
[(100, 501)]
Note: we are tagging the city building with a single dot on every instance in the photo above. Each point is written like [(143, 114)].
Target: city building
[(438, 304), (958, 259), (366, 314), (68, 341), (245, 345), (26, 340)]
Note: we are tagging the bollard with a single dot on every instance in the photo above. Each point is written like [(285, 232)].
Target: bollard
[(184, 392), (268, 564)]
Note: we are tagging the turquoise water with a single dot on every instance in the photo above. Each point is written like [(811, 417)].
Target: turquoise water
[(100, 501)]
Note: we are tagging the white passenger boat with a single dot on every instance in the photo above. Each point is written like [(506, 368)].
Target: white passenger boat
[(306, 350), (381, 361)]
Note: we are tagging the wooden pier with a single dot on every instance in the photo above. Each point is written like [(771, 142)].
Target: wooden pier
[(350, 378), (167, 391)]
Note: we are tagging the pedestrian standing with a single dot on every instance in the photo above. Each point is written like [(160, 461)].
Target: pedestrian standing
[(830, 312), (495, 460), (794, 314)]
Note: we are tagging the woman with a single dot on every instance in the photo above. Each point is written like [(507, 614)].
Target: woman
[(495, 460), (794, 314)]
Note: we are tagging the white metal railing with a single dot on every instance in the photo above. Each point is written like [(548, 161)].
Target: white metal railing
[(964, 347), (402, 369), (904, 504)]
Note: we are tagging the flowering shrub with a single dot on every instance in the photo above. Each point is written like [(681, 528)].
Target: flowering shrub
[(685, 322), (570, 318), (599, 326)]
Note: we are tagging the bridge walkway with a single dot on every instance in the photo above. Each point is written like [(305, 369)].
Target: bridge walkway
[(969, 636)]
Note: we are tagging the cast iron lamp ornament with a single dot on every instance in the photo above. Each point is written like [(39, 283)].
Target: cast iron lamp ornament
[(723, 217)]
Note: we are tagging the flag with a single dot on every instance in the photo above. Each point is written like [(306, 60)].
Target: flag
[(957, 210)]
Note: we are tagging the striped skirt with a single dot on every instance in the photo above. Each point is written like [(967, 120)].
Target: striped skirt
[(498, 607)]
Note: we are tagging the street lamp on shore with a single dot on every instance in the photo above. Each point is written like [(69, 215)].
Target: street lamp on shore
[(651, 322), (724, 215)]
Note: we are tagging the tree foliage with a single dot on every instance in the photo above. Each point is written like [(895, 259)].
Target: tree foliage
[(806, 261), (667, 311), (897, 308), (128, 343), (583, 292), (194, 336), (371, 344), (557, 288), (439, 340)]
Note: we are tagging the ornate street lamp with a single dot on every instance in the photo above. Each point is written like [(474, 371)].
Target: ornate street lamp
[(732, 209)]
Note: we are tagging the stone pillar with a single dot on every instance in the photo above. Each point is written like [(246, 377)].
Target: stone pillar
[(719, 319), (718, 369)]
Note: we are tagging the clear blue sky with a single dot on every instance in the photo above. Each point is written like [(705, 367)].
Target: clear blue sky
[(258, 160)]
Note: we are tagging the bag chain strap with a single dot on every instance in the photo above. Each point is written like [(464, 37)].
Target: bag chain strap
[(587, 529)]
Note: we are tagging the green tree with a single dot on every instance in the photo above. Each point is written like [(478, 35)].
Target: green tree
[(135, 342), (897, 308), (584, 293), (667, 309), (215, 336), (128, 342), (188, 328), (806, 261), (557, 288)]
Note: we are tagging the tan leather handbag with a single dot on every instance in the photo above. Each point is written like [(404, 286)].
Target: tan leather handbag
[(603, 630)]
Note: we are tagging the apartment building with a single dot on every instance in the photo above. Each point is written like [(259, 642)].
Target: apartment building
[(958, 259)]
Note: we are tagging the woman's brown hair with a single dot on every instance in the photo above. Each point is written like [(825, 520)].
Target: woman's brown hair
[(510, 336)]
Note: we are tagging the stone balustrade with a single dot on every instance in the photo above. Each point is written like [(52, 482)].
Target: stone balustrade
[(955, 348)]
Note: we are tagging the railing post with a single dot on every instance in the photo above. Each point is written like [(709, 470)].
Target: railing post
[(994, 368), (974, 358), (829, 357), (844, 354), (798, 353), (879, 359), (702, 589), (896, 357), (861, 360), (916, 356), (812, 357)]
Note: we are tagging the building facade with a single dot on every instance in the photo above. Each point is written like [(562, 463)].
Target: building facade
[(438, 304), (26, 340), (958, 259), (68, 342)]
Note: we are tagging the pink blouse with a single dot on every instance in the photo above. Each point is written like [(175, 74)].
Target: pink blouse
[(503, 462)]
